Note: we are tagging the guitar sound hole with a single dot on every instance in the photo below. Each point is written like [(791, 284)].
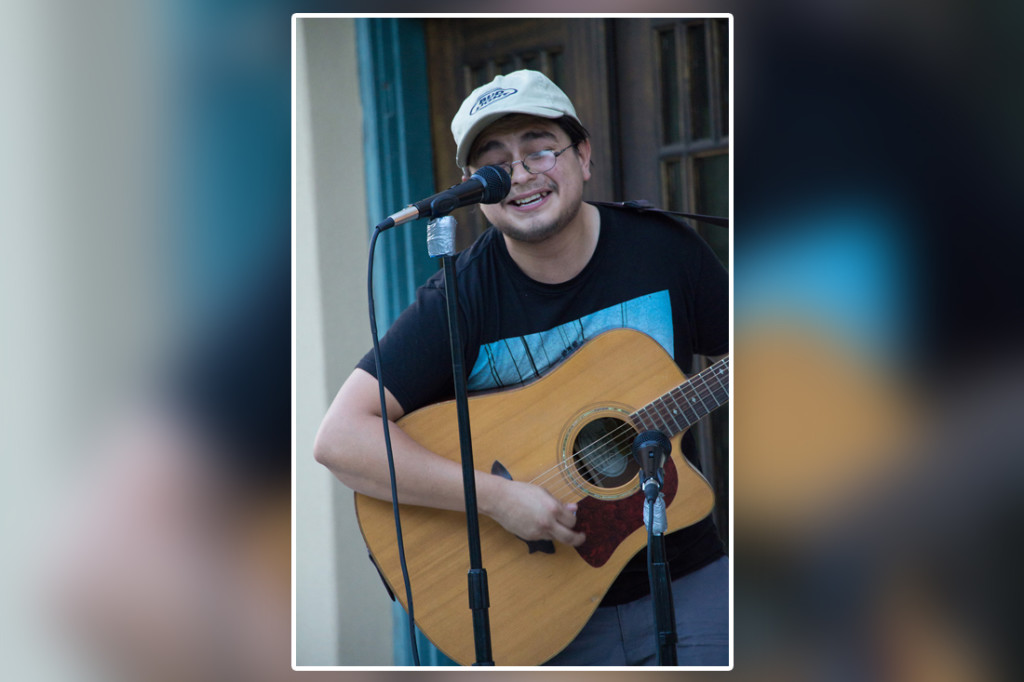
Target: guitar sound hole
[(602, 453)]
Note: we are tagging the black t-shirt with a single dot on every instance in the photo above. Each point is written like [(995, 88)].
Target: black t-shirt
[(648, 272)]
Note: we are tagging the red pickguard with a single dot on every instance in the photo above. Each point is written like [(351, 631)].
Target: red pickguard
[(608, 522)]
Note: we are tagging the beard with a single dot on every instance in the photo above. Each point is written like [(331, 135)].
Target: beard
[(533, 230)]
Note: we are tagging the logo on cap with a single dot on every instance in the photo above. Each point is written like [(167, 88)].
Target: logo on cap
[(490, 97)]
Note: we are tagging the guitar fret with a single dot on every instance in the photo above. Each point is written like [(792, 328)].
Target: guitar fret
[(653, 408), (696, 398), (666, 416), (689, 411), (687, 403), (646, 419), (638, 419), (670, 426), (693, 400), (678, 412), (697, 390), (720, 370), (704, 376)]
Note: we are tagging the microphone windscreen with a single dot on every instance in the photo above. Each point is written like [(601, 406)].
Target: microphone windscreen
[(497, 183), (650, 444)]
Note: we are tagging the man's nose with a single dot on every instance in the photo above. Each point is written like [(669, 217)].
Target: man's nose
[(519, 173)]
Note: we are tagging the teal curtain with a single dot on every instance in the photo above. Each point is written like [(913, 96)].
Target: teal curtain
[(429, 654), (398, 152), (399, 171)]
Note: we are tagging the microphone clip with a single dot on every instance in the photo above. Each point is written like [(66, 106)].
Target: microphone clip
[(650, 449), (652, 485)]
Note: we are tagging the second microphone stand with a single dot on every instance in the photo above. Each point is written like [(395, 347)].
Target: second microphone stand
[(651, 448), (441, 243)]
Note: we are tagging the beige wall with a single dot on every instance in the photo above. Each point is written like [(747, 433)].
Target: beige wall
[(342, 613)]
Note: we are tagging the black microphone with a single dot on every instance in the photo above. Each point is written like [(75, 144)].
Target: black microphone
[(650, 449), (489, 185)]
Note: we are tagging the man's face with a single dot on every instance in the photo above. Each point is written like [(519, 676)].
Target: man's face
[(539, 205)]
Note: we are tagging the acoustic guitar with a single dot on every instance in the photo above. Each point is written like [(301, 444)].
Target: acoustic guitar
[(571, 432)]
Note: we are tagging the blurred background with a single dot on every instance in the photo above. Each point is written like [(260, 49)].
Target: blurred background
[(147, 284)]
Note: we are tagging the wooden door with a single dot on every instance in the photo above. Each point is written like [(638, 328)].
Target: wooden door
[(673, 92), (574, 53)]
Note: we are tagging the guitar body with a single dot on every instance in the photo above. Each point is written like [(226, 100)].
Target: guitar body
[(539, 599)]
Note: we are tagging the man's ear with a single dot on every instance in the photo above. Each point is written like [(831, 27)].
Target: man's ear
[(583, 149)]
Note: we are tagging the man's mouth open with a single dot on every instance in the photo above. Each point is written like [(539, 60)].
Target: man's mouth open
[(530, 200)]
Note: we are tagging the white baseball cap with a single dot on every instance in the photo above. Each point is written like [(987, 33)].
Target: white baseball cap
[(520, 92)]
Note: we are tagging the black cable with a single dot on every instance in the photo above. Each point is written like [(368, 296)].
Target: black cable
[(387, 446)]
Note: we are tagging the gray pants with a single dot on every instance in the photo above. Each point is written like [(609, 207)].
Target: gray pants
[(625, 635)]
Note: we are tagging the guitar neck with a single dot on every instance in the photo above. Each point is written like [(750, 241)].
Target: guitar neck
[(687, 403)]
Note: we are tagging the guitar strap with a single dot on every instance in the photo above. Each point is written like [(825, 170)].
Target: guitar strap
[(642, 205)]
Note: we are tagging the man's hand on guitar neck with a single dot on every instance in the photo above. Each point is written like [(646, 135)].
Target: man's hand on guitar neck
[(530, 512)]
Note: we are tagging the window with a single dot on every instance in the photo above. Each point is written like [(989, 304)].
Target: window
[(693, 74), (692, 60)]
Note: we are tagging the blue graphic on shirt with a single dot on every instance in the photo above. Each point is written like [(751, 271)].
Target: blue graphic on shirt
[(512, 361)]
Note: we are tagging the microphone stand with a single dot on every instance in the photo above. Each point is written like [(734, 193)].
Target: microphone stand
[(661, 595), (651, 448), (441, 242)]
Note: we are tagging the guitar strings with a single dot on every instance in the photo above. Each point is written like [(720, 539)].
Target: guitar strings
[(597, 455), (611, 445), (717, 371), (555, 472), (699, 390)]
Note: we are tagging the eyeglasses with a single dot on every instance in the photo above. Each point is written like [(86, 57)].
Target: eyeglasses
[(537, 162)]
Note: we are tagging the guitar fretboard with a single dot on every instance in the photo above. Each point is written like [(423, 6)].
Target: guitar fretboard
[(687, 403)]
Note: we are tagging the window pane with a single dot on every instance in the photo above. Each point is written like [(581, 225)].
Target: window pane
[(672, 184), (557, 67), (711, 184), (697, 68), (711, 174), (669, 75), (478, 76)]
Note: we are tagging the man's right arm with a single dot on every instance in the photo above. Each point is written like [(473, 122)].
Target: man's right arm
[(351, 444)]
